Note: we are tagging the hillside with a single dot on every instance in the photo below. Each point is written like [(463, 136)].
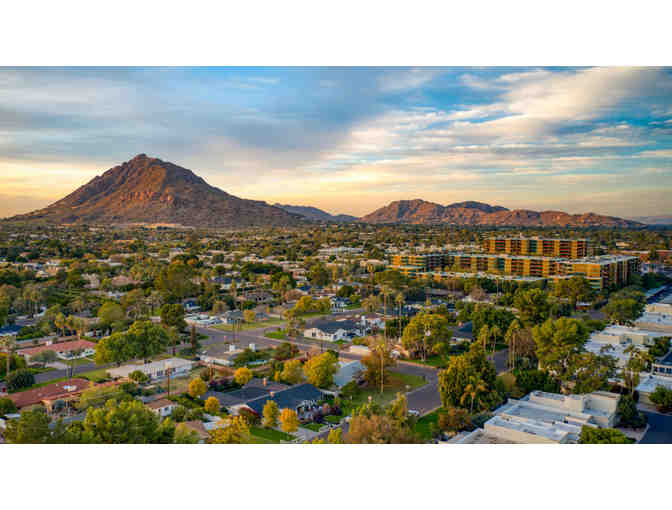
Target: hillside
[(476, 213), (315, 214), (149, 190)]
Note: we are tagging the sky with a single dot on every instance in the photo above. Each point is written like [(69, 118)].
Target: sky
[(350, 140)]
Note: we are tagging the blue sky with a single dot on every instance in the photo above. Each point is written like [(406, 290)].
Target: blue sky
[(350, 140)]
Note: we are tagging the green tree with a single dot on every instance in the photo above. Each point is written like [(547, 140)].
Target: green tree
[(661, 397), (590, 435), (532, 305), (423, 332), (31, 428), (236, 431), (44, 357), (320, 370), (473, 390), (19, 379), (575, 289), (377, 363), (628, 414), (271, 414), (7, 406), (172, 315), (558, 342), (110, 313), (623, 311)]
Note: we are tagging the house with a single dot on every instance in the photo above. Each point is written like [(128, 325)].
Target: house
[(334, 330), (156, 369), (232, 317), (64, 350), (220, 354), (10, 330), (163, 407), (302, 398), (372, 321), (191, 305), (339, 304), (65, 390)]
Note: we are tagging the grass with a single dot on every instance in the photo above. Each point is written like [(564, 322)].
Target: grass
[(315, 427), (40, 385), (263, 435), (278, 335), (333, 419), (397, 383), (251, 325), (95, 375), (423, 425)]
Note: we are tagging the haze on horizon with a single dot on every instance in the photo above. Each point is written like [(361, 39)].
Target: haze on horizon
[(350, 140)]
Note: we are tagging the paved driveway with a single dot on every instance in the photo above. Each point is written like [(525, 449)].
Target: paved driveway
[(660, 429)]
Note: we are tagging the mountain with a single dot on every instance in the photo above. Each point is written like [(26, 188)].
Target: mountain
[(654, 220), (477, 213), (148, 190), (315, 214)]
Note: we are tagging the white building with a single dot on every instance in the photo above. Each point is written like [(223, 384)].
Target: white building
[(155, 369), (163, 407), (614, 340), (655, 321), (542, 417)]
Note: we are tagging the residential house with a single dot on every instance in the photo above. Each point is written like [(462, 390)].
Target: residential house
[(302, 398), (163, 407), (334, 330), (64, 350), (156, 370)]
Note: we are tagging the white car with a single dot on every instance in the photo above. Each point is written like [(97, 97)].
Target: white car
[(414, 412)]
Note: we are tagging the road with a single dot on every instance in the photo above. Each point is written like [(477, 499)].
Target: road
[(660, 429)]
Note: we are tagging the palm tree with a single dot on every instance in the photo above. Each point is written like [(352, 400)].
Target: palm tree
[(386, 292), (399, 300), (59, 322), (8, 344), (475, 387)]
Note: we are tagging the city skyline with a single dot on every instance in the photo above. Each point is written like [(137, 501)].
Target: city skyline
[(351, 140)]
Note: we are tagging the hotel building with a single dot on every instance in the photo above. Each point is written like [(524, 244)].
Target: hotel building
[(562, 248)]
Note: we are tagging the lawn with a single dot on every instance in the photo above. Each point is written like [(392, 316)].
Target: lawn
[(333, 419), (95, 375), (278, 335), (315, 427), (252, 325), (263, 435), (423, 425), (398, 383)]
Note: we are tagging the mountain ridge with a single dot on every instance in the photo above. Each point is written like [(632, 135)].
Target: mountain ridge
[(419, 211), (314, 214)]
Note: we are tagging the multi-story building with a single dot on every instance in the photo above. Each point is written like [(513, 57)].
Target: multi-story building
[(606, 271), (564, 248)]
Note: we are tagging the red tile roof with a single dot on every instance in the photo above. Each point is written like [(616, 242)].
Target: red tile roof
[(58, 347), (52, 391)]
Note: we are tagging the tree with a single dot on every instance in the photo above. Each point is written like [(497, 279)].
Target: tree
[(126, 422), (31, 428), (335, 436), (423, 331), (454, 380), (292, 372), (623, 311), (7, 406), (628, 414), (289, 421), (454, 419), (558, 341), (146, 339), (371, 425), (475, 387), (8, 344), (533, 306), (371, 303), (113, 349), (138, 376), (662, 398), (249, 316), (590, 435), (243, 375), (236, 431), (320, 370), (197, 387), (172, 315), (271, 414), (110, 313), (185, 435), (211, 405), (19, 379), (44, 357), (574, 289), (377, 363)]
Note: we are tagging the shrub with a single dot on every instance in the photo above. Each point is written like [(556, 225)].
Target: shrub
[(662, 398), (7, 406), (19, 379), (454, 419), (249, 417), (628, 414), (530, 380)]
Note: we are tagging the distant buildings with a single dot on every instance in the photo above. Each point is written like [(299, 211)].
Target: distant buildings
[(564, 248)]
